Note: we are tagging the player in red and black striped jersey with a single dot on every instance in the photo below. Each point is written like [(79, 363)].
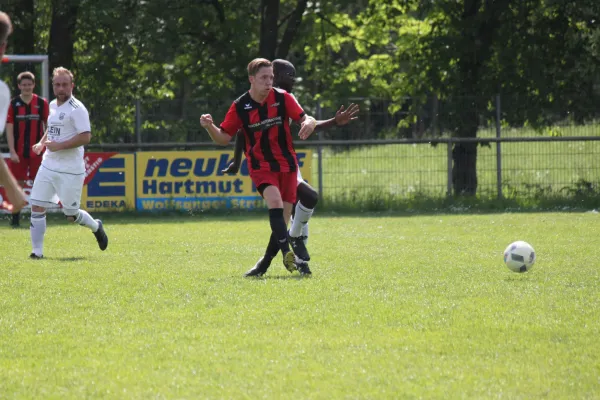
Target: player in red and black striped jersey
[(307, 196), (25, 125), (263, 114)]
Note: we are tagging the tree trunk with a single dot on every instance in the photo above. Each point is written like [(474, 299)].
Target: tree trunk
[(477, 26), (291, 29), (268, 28), (62, 33)]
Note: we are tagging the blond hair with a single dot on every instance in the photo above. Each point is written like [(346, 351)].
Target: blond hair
[(62, 71), (255, 65)]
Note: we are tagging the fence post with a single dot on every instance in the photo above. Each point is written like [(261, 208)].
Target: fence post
[(449, 185), (138, 123), (320, 154), (498, 149)]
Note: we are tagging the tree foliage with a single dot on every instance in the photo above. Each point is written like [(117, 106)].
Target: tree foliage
[(437, 63)]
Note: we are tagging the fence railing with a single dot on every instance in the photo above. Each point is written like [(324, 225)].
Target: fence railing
[(506, 167), (401, 168)]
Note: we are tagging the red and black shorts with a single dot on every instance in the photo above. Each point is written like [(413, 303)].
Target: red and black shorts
[(286, 182), (26, 168)]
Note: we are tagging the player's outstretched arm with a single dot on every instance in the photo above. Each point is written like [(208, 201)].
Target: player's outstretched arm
[(342, 117), (216, 133), (240, 143), (15, 195)]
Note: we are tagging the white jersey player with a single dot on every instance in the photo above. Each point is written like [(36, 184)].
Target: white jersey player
[(14, 193), (61, 176)]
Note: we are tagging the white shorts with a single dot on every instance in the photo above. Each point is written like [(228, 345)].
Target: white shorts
[(50, 186), (299, 178)]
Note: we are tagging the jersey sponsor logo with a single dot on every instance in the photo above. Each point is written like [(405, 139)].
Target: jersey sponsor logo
[(265, 124), (53, 130), (28, 117), (274, 105)]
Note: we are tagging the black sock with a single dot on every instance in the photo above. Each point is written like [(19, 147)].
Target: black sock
[(279, 229), (15, 218), (272, 247)]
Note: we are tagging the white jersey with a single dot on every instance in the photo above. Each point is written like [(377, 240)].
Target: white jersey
[(4, 103), (299, 175), (65, 122)]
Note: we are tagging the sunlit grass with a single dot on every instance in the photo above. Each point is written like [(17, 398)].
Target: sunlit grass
[(398, 307)]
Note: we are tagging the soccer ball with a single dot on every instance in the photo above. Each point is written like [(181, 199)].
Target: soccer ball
[(519, 256)]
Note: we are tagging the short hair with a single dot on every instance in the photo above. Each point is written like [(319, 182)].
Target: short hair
[(25, 75), (5, 27), (62, 71), (255, 65)]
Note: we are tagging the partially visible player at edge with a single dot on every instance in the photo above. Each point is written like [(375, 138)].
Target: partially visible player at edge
[(13, 191), (285, 78), (25, 126), (62, 173), (263, 115)]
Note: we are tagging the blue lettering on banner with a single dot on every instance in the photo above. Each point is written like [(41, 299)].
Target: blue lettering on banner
[(199, 167), (94, 186), (200, 203), (191, 187)]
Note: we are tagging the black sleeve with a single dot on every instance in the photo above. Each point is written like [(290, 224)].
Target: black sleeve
[(240, 143)]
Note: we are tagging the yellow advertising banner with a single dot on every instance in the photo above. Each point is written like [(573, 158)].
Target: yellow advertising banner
[(189, 180)]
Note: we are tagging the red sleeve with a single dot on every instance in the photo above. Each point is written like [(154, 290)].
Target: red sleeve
[(10, 117), (46, 112), (294, 110), (232, 123)]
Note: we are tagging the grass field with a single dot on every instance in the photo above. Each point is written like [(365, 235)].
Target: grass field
[(398, 307)]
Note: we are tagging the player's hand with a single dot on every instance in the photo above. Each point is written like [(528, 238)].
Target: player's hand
[(232, 169), (52, 146), (206, 120), (14, 157), (307, 128), (342, 117), (38, 148)]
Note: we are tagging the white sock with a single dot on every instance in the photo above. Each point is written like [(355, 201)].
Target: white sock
[(85, 219), (301, 218), (305, 233), (37, 230)]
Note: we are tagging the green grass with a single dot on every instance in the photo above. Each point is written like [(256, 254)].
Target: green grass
[(398, 307)]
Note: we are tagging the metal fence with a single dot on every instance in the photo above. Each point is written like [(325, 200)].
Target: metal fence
[(402, 168), (380, 155)]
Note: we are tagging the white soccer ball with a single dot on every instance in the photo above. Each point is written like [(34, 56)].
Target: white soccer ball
[(519, 256)]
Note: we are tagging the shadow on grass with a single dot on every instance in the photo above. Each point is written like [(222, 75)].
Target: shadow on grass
[(66, 259), (276, 277)]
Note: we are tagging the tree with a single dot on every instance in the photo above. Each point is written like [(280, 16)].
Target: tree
[(62, 33)]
